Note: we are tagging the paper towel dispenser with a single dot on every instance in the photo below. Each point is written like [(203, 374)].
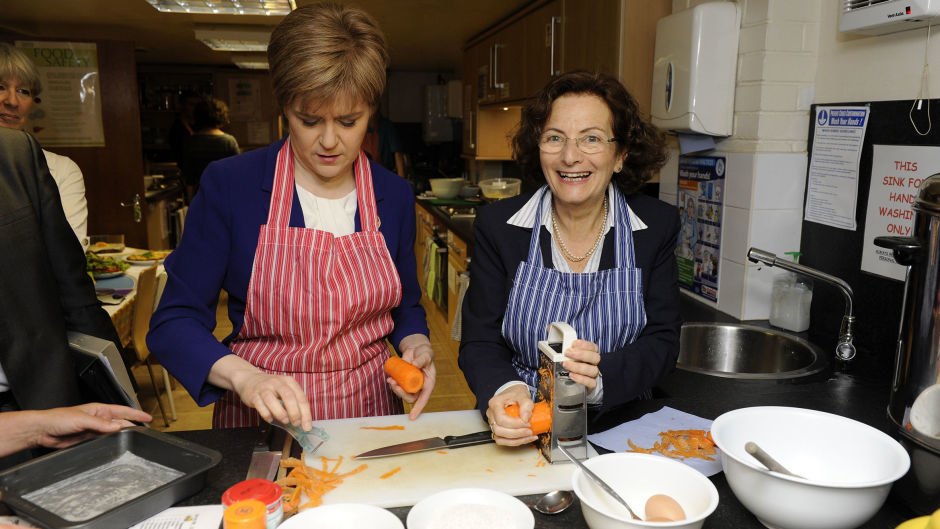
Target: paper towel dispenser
[(694, 69)]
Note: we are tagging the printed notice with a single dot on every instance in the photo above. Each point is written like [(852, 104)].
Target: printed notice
[(896, 174), (832, 187), (69, 111), (701, 197)]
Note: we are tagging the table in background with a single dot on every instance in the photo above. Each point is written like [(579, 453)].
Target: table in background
[(122, 315)]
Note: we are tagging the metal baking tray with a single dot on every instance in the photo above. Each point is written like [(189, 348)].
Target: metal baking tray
[(102, 477)]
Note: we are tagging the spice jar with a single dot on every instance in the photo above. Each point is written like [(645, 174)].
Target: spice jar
[(245, 514), (263, 490)]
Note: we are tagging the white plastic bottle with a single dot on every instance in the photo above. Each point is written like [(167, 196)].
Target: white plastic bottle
[(791, 298)]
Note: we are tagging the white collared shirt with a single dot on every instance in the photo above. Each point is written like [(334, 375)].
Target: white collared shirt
[(333, 215)]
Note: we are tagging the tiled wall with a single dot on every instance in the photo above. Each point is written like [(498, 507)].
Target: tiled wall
[(766, 155)]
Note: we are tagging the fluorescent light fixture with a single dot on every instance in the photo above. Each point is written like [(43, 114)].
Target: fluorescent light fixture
[(234, 38), (250, 61), (225, 7)]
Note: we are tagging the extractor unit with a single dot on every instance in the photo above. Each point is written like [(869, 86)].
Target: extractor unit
[(877, 17)]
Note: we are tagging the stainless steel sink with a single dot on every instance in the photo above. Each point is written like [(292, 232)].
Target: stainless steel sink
[(747, 352)]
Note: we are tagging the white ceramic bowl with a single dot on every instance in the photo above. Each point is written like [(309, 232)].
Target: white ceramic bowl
[(636, 477), (446, 187), (343, 516), (470, 507), (501, 187), (849, 466)]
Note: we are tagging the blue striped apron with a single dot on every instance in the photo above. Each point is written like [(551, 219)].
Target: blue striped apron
[(604, 307)]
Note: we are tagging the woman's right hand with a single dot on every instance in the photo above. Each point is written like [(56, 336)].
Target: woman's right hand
[(511, 431), (277, 397)]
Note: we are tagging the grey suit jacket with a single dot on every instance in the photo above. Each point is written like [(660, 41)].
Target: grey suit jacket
[(44, 289)]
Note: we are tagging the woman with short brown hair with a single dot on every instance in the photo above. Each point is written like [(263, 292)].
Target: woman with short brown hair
[(312, 242)]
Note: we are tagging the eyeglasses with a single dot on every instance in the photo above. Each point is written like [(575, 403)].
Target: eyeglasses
[(553, 143)]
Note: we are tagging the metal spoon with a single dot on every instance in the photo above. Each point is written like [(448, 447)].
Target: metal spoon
[(764, 458), (554, 502), (596, 479)]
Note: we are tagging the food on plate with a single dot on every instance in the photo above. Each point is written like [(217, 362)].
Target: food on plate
[(98, 265), (149, 255), (680, 444), (409, 377), (302, 479), (541, 421)]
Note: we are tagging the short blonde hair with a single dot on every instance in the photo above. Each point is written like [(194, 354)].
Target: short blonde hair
[(326, 51), (14, 64)]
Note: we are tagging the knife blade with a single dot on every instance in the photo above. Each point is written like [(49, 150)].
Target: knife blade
[(431, 443), (264, 461)]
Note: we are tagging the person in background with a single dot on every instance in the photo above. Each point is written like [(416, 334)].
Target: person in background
[(20, 87), (182, 127), (587, 248), (381, 144), (44, 289), (208, 141), (313, 243)]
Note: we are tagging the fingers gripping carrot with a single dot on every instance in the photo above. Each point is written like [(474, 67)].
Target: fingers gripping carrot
[(541, 420), (409, 377)]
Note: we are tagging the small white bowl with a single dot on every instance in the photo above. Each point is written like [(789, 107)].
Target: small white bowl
[(344, 516), (636, 477), (478, 508), (849, 466), (446, 187)]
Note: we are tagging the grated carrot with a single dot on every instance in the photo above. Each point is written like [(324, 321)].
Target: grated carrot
[(442, 451), (390, 473), (396, 427), (680, 444), (315, 483)]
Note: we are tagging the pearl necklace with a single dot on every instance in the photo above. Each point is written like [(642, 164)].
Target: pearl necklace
[(561, 243)]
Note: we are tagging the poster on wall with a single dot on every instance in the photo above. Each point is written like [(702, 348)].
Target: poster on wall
[(69, 112), (896, 174), (832, 186), (244, 98), (700, 200)]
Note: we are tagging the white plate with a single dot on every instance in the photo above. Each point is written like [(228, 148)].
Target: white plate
[(343, 516), (107, 275), (478, 508), (147, 262)]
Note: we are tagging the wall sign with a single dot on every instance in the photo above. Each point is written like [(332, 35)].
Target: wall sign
[(70, 112), (896, 174), (701, 199)]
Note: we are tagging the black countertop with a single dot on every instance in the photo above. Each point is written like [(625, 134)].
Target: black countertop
[(461, 226)]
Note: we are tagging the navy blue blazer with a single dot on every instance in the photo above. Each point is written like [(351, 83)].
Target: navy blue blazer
[(498, 248), (217, 251)]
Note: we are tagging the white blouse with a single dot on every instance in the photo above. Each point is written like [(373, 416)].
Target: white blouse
[(333, 215)]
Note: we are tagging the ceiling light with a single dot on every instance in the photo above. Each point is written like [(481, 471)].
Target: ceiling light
[(234, 38), (250, 61), (225, 7)]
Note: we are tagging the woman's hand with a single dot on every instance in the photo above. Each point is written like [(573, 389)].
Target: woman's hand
[(277, 397), (511, 431), (416, 350), (581, 362)]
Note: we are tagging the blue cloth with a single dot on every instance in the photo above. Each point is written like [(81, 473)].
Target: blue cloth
[(603, 307), (218, 249)]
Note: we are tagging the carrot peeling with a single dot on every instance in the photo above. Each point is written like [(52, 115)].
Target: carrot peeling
[(680, 444), (303, 479), (390, 473), (382, 427)]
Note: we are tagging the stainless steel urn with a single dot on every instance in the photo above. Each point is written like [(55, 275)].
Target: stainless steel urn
[(917, 358)]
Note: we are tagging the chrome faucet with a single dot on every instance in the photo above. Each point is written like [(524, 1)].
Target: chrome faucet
[(845, 350)]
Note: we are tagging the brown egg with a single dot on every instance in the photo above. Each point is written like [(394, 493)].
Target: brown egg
[(663, 508)]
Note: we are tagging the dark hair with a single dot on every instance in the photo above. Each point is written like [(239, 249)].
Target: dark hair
[(210, 113), (642, 142)]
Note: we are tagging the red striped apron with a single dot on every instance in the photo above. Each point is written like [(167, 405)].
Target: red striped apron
[(319, 308)]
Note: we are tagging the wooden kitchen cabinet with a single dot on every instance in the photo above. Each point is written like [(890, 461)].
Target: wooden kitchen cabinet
[(542, 36), (458, 260), (591, 36)]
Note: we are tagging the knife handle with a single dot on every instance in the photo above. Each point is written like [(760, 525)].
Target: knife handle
[(470, 439)]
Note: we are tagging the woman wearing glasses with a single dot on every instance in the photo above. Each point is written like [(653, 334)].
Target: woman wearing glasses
[(586, 249)]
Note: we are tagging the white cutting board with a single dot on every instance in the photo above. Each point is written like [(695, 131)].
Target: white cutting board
[(516, 471)]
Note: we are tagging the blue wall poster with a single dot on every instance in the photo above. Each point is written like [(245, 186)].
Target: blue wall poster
[(700, 201)]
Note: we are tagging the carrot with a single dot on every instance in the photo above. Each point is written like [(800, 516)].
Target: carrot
[(541, 420), (315, 483), (381, 427), (680, 444), (409, 377), (390, 473)]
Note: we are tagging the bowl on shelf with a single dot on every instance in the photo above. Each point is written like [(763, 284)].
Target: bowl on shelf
[(635, 478), (469, 191), (847, 467), (501, 187), (446, 187)]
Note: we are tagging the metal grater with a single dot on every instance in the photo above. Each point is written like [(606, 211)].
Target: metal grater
[(567, 397)]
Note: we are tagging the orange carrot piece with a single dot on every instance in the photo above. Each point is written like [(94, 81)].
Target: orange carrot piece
[(390, 473), (409, 377), (396, 427), (541, 420)]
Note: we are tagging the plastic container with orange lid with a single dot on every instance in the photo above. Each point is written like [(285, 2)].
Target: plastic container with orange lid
[(245, 514), (263, 490)]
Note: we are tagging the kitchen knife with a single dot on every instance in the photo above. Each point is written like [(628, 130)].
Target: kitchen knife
[(431, 443), (264, 461)]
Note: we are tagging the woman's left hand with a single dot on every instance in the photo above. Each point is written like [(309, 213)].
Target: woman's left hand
[(581, 362), (416, 350)]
